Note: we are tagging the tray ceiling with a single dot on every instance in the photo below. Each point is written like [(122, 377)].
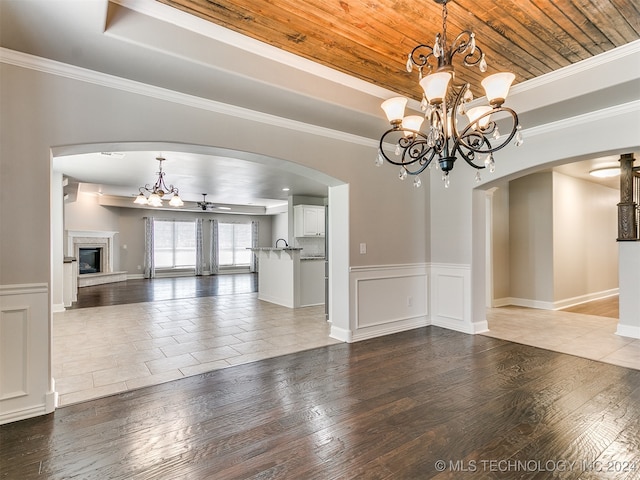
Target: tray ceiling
[(370, 40)]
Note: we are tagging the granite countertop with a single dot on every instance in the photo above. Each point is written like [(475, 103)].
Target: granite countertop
[(313, 258)]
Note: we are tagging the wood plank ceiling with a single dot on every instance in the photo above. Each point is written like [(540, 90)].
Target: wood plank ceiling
[(370, 39)]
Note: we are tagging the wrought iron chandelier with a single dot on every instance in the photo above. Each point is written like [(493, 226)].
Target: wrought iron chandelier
[(444, 100), (157, 191)]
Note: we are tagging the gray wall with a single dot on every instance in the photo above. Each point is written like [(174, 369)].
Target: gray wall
[(585, 228), (383, 211), (562, 239), (531, 237), (501, 246), (88, 214)]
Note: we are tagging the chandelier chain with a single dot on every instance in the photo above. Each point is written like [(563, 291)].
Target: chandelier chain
[(445, 14)]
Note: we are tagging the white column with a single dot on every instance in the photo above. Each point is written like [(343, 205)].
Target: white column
[(57, 242), (629, 282)]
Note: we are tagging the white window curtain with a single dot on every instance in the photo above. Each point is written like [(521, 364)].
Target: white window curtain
[(149, 265), (214, 264), (254, 244), (199, 253)]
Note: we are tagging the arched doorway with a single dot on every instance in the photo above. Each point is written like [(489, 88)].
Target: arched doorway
[(336, 191)]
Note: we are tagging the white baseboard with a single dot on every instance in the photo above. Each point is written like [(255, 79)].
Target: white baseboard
[(463, 327), (24, 413), (630, 331), (58, 307), (529, 303), (590, 297), (557, 305), (390, 328), (341, 334)]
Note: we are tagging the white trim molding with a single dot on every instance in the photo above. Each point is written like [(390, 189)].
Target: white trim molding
[(387, 299), (26, 386), (628, 331), (52, 67), (451, 298), (556, 305)]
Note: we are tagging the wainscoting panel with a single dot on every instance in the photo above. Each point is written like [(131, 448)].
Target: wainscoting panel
[(14, 354), (26, 388), (388, 299), (451, 298)]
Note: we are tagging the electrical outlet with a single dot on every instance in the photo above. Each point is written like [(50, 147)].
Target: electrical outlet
[(363, 248), (409, 301)]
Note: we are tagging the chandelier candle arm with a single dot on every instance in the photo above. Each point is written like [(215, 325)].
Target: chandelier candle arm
[(443, 100)]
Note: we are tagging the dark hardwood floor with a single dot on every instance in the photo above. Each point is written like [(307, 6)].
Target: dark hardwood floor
[(385, 408), (158, 289)]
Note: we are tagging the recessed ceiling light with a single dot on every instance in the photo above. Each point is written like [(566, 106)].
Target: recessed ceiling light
[(112, 154), (605, 172), (285, 189)]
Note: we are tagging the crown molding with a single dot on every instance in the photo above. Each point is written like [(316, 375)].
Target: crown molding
[(579, 67), (598, 115), (52, 67), (181, 19)]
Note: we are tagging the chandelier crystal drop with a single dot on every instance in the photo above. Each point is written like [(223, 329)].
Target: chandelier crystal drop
[(152, 195), (445, 104)]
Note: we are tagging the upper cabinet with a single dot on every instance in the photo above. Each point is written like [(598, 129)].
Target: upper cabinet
[(308, 220)]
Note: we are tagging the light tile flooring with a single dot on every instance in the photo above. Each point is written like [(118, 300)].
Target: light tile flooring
[(106, 350), (101, 351), (577, 334)]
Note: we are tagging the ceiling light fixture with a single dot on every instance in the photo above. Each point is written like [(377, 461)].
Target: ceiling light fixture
[(204, 205), (157, 191), (605, 172), (444, 99)]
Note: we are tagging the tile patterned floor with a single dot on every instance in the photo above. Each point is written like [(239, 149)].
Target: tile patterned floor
[(577, 334), (101, 351)]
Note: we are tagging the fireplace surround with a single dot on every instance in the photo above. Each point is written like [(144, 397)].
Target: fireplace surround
[(102, 241)]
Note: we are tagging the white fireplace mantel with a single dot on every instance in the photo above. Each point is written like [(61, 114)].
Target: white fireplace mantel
[(89, 238)]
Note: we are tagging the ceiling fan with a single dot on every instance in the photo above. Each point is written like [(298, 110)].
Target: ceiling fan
[(204, 205)]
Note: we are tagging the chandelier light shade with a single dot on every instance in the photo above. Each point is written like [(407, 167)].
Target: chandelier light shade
[(152, 195), (394, 108), (447, 135)]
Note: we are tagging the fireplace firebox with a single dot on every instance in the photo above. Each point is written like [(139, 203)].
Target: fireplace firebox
[(89, 260)]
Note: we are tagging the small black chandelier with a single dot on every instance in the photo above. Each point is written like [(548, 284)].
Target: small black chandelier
[(445, 99), (204, 204), (157, 191)]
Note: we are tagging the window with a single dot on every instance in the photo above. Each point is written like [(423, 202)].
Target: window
[(233, 241), (174, 244)]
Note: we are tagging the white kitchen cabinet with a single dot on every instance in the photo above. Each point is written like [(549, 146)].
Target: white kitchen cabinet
[(308, 221)]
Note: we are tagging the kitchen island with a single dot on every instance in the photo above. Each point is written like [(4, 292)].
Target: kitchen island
[(283, 281)]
